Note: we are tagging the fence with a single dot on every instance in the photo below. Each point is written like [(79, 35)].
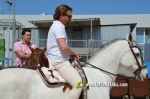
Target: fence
[(75, 43), (85, 48), (5, 62)]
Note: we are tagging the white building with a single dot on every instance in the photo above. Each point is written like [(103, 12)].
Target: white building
[(86, 33)]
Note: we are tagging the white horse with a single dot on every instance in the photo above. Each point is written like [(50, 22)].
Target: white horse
[(17, 83)]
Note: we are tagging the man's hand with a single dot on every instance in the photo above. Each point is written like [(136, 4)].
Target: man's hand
[(26, 55), (75, 56)]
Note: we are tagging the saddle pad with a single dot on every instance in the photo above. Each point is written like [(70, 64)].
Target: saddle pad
[(45, 80)]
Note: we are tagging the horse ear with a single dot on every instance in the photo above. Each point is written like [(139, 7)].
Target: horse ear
[(130, 38), (44, 49)]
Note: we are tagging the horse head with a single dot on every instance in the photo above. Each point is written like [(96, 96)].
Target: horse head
[(36, 57), (133, 60)]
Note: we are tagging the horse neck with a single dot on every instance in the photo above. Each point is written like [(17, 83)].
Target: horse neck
[(108, 58)]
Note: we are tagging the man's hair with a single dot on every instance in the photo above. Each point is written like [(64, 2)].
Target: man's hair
[(25, 30), (61, 10)]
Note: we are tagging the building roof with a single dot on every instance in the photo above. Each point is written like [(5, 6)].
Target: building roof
[(142, 20), (74, 22)]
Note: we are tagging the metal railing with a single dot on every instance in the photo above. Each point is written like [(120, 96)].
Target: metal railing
[(85, 47), (74, 43), (78, 43), (5, 62)]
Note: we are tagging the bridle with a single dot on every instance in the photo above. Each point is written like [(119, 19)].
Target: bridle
[(140, 66), (137, 71)]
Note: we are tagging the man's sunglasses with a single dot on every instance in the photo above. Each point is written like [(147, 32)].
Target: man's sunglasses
[(69, 16)]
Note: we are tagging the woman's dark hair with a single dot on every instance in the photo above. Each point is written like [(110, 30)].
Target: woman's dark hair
[(25, 30), (61, 10)]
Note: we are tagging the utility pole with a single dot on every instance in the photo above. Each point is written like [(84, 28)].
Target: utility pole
[(14, 30), (10, 4)]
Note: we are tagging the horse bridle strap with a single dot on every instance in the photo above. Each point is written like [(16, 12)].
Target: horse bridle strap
[(118, 75), (138, 71)]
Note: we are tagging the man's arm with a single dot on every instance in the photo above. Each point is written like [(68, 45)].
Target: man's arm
[(22, 54), (66, 49)]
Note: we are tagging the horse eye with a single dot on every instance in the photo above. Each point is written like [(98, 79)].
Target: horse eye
[(137, 54)]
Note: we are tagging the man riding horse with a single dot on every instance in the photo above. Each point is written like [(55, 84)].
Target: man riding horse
[(23, 49), (59, 52)]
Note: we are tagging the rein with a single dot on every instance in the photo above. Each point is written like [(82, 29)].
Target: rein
[(137, 72), (117, 75)]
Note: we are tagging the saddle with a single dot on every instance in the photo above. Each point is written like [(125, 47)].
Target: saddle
[(53, 75), (44, 78)]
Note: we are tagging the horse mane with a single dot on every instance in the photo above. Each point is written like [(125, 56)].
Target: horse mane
[(104, 46), (110, 43)]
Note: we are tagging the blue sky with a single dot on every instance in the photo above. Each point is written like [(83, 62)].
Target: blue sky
[(80, 7)]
